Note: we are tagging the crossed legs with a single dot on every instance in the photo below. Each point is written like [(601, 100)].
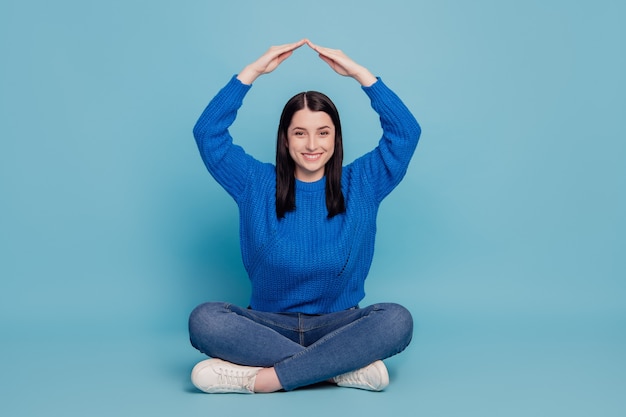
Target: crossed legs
[(291, 350)]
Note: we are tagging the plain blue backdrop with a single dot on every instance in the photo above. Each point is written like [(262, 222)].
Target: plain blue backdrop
[(506, 239)]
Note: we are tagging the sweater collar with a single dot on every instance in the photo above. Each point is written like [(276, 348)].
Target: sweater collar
[(311, 186)]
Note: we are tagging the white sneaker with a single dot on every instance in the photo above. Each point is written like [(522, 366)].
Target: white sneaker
[(216, 376), (373, 377)]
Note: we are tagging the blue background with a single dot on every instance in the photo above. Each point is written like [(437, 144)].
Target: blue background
[(506, 239)]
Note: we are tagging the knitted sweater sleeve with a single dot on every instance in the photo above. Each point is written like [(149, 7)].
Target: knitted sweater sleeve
[(385, 166), (228, 163)]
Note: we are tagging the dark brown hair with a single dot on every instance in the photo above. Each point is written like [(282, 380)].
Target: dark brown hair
[(285, 166)]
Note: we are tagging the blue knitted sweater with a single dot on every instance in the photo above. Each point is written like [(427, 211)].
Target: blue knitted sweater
[(307, 262)]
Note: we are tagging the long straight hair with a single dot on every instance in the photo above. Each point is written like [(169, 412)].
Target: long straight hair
[(285, 165)]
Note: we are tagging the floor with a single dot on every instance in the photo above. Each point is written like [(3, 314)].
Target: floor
[(462, 368)]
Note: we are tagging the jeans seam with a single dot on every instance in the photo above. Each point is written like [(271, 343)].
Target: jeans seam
[(373, 308), (300, 330), (267, 322), (325, 339)]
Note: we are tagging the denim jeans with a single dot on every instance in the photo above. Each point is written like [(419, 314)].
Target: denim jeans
[(303, 349)]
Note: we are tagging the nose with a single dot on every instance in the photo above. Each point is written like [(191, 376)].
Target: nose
[(311, 143)]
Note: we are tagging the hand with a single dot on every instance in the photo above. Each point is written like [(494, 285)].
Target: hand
[(268, 62), (343, 65)]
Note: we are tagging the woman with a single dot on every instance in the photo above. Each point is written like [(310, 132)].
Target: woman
[(307, 229)]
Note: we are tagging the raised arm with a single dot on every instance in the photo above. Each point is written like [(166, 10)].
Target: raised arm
[(228, 163), (385, 166)]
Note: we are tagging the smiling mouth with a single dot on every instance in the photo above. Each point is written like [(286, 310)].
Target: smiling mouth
[(311, 156)]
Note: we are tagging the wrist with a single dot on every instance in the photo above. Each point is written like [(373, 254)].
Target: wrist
[(248, 75), (365, 77)]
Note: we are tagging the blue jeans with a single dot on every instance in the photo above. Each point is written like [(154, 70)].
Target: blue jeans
[(303, 349)]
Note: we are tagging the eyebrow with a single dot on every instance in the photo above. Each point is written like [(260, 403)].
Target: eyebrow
[(302, 128)]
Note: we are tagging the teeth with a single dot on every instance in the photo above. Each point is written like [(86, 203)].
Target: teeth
[(311, 157)]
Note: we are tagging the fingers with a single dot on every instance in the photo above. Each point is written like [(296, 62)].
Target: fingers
[(342, 64), (333, 54), (283, 52), (277, 54), (312, 45), (335, 58), (269, 61), (327, 60), (318, 48), (273, 57), (281, 57), (286, 48)]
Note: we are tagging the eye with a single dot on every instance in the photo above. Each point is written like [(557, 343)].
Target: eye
[(298, 133), (324, 133)]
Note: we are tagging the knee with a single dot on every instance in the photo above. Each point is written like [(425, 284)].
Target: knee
[(398, 324), (203, 319)]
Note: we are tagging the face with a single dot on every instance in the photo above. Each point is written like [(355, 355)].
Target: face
[(311, 143)]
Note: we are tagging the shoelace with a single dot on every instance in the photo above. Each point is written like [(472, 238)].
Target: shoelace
[(233, 377)]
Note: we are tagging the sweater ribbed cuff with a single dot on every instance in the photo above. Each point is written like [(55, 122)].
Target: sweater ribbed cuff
[(378, 90), (236, 89)]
